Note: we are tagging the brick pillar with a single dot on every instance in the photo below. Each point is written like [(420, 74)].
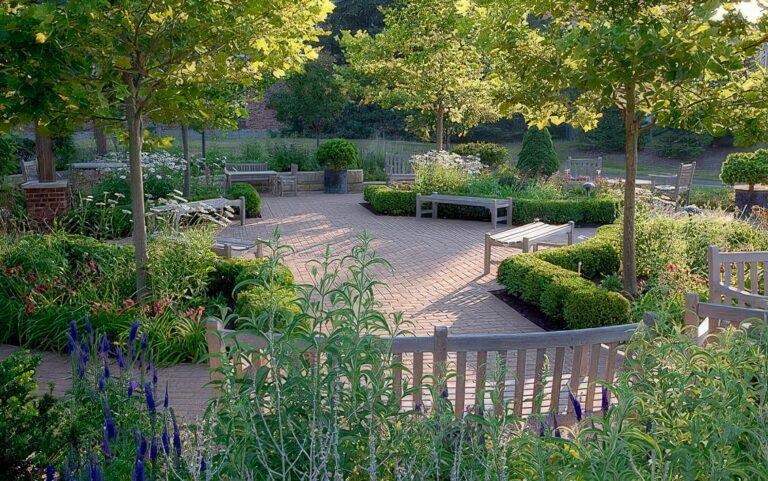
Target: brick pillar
[(45, 200)]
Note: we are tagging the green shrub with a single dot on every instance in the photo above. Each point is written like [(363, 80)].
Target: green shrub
[(537, 157), (556, 290), (597, 257), (252, 197), (609, 135), (745, 168), (24, 418), (594, 307), (679, 144), (491, 155), (713, 197), (9, 160), (257, 303), (388, 201), (282, 156), (338, 154), (64, 151), (179, 265), (559, 211), (228, 273)]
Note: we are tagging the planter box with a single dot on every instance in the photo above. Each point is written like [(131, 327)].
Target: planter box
[(314, 181), (746, 199)]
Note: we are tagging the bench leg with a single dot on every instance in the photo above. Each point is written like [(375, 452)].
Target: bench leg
[(242, 211), (570, 232), (434, 209), (509, 213), (418, 206), (487, 256), (526, 245), (494, 216), (259, 250)]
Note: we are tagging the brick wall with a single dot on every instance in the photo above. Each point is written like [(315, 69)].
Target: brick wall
[(45, 200), (260, 117)]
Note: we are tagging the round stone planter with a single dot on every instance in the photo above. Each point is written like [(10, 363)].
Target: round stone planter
[(336, 182), (746, 199)]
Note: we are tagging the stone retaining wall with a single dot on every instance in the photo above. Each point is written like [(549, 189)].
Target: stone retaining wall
[(314, 181)]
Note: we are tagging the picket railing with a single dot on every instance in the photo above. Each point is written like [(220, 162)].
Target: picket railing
[(538, 369)]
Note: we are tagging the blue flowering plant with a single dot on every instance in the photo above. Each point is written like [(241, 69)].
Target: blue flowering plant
[(118, 422)]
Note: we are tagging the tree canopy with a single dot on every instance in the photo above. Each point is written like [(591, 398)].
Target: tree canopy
[(426, 59)]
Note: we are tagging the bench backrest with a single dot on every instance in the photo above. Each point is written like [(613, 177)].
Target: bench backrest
[(704, 319), (246, 167), (685, 177), (737, 278), (29, 170), (589, 168), (577, 361), (395, 163)]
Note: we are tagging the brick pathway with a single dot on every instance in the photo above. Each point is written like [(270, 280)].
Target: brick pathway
[(437, 276)]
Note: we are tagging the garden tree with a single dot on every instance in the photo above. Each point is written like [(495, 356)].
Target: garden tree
[(426, 59), (201, 106), (152, 49), (38, 76), (311, 100), (659, 62)]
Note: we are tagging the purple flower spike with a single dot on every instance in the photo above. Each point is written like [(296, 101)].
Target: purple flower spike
[(120, 358), (605, 400), (72, 337), (109, 424), (149, 397), (80, 369), (153, 449), (105, 447), (176, 439), (95, 473), (154, 377), (444, 394), (138, 470), (89, 329), (417, 407), (166, 440), (144, 342), (203, 466), (102, 384), (576, 406), (106, 370), (142, 447), (50, 471), (132, 385), (165, 398), (132, 337)]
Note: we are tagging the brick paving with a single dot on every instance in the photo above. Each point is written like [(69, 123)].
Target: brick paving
[(436, 278)]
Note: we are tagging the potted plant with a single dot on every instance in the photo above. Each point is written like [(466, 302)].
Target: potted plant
[(336, 156), (748, 173)]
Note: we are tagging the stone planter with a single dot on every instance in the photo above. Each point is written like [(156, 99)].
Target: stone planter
[(746, 199), (336, 182)]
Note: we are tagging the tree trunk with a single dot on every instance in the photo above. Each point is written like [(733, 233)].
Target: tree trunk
[(632, 128), (439, 117), (187, 161), (202, 140), (135, 142), (46, 167), (100, 138)]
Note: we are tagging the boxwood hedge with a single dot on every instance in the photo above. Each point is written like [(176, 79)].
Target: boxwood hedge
[(388, 201), (549, 280)]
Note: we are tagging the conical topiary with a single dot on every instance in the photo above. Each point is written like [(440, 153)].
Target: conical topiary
[(537, 157)]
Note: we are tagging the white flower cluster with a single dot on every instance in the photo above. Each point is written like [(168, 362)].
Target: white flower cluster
[(151, 162), (469, 165)]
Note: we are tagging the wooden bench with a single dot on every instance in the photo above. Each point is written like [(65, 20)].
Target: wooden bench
[(230, 247), (705, 319), (735, 278), (491, 204), (179, 209), (540, 367), (398, 169), (525, 237), (248, 172)]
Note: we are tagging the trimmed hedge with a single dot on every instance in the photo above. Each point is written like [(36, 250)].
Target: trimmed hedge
[(545, 279), (581, 211), (388, 201)]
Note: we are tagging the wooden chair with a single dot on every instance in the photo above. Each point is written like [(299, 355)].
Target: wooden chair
[(676, 187), (287, 182), (737, 278), (29, 171), (585, 168), (398, 169)]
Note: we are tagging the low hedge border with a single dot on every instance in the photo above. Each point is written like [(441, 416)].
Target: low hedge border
[(546, 280), (388, 201)]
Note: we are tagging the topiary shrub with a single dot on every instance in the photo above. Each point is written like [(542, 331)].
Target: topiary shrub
[(252, 198), (558, 211), (490, 154), (537, 157), (746, 168), (597, 257), (388, 201), (338, 154)]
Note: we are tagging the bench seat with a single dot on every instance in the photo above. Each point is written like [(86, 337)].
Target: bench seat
[(524, 237), (492, 205)]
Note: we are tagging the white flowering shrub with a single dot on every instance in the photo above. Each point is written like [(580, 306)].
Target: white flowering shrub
[(444, 172)]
